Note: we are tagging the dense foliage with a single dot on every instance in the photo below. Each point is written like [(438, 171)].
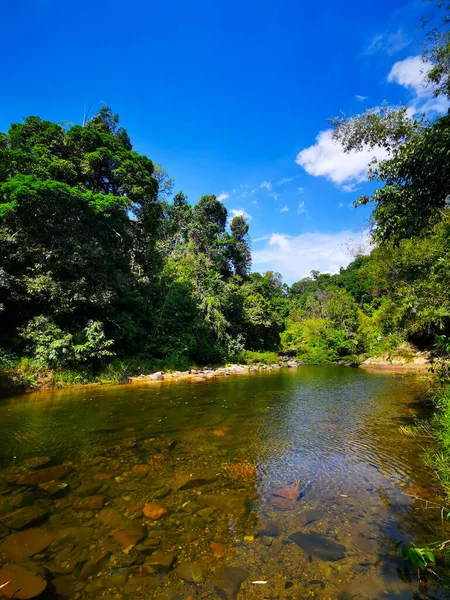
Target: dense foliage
[(96, 260)]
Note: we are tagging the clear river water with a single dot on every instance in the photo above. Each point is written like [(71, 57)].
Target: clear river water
[(293, 484)]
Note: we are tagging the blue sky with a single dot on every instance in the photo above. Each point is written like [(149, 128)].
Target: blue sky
[(230, 98)]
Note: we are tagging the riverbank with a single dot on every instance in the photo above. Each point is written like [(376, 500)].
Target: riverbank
[(27, 376)]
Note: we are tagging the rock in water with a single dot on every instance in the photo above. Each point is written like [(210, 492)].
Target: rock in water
[(309, 516), (23, 544), (228, 581), (20, 583), (289, 493), (191, 572), (318, 545)]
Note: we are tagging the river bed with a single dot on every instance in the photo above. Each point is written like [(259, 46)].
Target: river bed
[(290, 484)]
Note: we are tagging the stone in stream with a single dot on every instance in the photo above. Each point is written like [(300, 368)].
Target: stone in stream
[(319, 546), (186, 481), (234, 504), (110, 517), (219, 550), (43, 475), (228, 581), (309, 516), (55, 489), (129, 534), (23, 544), (191, 572), (95, 563), (160, 561), (38, 462), (89, 503), (154, 511), (270, 528), (88, 488), (22, 583), (137, 582), (289, 493), (25, 517)]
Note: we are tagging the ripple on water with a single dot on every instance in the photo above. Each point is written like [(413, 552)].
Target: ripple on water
[(123, 517)]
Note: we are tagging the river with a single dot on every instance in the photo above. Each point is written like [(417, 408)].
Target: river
[(290, 484)]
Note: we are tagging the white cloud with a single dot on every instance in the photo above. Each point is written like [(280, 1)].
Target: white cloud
[(255, 202), (284, 209), (300, 190), (285, 180), (389, 42), (327, 158), (410, 73), (360, 98), (266, 184), (222, 197), (301, 208), (341, 204), (240, 212), (296, 256)]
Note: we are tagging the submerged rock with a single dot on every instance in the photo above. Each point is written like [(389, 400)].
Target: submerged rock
[(270, 528), (22, 583), (110, 517), (186, 481), (136, 582), (309, 516), (154, 511), (89, 503), (24, 517), (228, 581), (318, 545), (219, 550), (234, 504), (64, 586), (289, 493), (43, 475), (39, 462), (23, 544), (55, 489), (191, 572), (129, 535), (160, 561)]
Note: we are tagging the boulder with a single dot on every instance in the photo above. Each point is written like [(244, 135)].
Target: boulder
[(110, 517), (157, 376)]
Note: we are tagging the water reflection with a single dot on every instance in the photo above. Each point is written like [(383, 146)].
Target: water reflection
[(282, 485)]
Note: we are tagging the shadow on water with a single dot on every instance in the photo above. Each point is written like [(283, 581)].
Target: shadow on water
[(292, 484)]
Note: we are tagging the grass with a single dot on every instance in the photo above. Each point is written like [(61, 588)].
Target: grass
[(439, 459)]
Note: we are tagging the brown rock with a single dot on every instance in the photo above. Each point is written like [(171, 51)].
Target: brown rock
[(20, 583), (220, 432), (141, 468), (246, 471), (289, 493), (154, 511), (219, 550), (110, 517), (38, 462), (103, 476), (282, 503), (95, 563), (234, 504), (43, 475), (129, 535), (24, 517), (54, 488), (161, 561), (24, 544), (186, 481), (88, 489), (137, 582), (89, 503)]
